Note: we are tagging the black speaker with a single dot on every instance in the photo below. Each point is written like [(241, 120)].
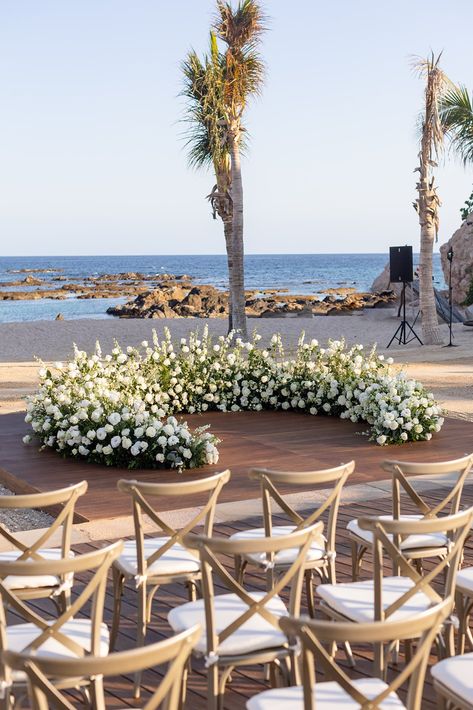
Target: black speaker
[(400, 264)]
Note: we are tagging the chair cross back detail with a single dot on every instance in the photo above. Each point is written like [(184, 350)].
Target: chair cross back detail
[(269, 491), (313, 634), (401, 470), (99, 561), (174, 651), (66, 497), (140, 493), (209, 547), (387, 535)]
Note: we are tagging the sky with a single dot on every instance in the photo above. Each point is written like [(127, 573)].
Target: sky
[(92, 157)]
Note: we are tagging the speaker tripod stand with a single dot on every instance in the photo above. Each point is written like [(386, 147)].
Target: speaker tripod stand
[(405, 333)]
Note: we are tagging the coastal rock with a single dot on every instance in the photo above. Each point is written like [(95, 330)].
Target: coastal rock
[(59, 317), (382, 283), (32, 281), (462, 265)]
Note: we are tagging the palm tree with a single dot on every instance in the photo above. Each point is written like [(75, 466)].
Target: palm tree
[(240, 30), (428, 203), (207, 137)]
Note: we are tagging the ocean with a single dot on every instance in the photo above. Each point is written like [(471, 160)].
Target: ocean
[(298, 273)]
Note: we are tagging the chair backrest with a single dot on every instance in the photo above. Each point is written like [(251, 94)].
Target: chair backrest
[(44, 672), (98, 562), (401, 470), (305, 480), (209, 548), (313, 634), (142, 494), (65, 498), (388, 535)]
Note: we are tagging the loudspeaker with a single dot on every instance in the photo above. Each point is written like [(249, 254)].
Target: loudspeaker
[(400, 264)]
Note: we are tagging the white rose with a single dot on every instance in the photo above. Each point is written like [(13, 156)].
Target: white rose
[(126, 442), (101, 434), (114, 418), (115, 441), (381, 439), (107, 450), (139, 431), (151, 431), (168, 429), (26, 439), (160, 458), (135, 450)]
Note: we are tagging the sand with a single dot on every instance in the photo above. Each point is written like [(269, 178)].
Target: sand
[(448, 372)]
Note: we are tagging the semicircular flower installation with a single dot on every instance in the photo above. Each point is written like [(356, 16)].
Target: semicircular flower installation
[(119, 409)]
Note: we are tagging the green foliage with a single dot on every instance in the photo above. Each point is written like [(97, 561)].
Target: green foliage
[(456, 113), (469, 296), (468, 208)]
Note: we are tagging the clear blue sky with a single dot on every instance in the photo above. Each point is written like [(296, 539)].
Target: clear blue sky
[(91, 159)]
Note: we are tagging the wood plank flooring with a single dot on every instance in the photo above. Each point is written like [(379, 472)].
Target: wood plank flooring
[(284, 440)]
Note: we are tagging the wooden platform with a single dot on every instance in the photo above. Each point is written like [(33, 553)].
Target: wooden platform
[(246, 681), (284, 440)]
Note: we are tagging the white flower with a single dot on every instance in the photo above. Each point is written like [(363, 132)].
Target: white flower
[(115, 441), (151, 431), (26, 439), (135, 449), (126, 442), (114, 418), (107, 450), (381, 439), (101, 434), (168, 429)]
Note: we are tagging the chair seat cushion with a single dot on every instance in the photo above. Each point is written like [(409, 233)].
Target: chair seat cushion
[(33, 582), (456, 674), (355, 600), (411, 542), (255, 634), (465, 580), (19, 636), (327, 696), (177, 560), (283, 557)]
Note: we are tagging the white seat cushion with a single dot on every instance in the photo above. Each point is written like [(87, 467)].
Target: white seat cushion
[(327, 696), (255, 634), (465, 579), (410, 542), (176, 560), (284, 557), (456, 673), (33, 582), (79, 630), (355, 600)]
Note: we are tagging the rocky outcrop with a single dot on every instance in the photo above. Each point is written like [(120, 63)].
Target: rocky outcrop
[(462, 265), (209, 302), (382, 283)]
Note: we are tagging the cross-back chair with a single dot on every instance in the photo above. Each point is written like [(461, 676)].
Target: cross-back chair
[(49, 586), (44, 674), (67, 635), (321, 555), (241, 627), (464, 607), (408, 591), (453, 682), (415, 548), (155, 561), (336, 689)]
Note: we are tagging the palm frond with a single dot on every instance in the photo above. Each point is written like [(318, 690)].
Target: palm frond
[(437, 84), (456, 112)]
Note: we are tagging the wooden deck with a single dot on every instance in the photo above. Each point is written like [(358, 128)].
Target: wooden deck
[(248, 681), (282, 440)]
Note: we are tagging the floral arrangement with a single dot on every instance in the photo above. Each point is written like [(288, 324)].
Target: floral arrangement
[(119, 409)]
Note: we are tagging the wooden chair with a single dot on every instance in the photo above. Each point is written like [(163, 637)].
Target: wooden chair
[(49, 586), (453, 682), (321, 556), (44, 674), (408, 592), (415, 548), (241, 628), (156, 561), (464, 606), (65, 636), (337, 690)]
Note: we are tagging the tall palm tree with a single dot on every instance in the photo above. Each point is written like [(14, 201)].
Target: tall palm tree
[(240, 30), (428, 203), (207, 137)]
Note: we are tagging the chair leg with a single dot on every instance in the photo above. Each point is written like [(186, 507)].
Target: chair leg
[(140, 631), (97, 693), (118, 582), (357, 553), (212, 688), (310, 592)]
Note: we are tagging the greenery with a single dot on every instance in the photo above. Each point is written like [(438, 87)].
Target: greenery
[(468, 208)]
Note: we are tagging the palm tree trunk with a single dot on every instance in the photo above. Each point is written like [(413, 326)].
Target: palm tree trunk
[(228, 232), (237, 285), (427, 202)]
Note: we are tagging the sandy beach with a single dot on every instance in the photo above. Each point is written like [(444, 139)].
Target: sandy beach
[(448, 372)]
